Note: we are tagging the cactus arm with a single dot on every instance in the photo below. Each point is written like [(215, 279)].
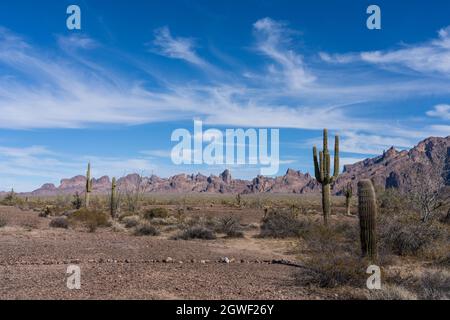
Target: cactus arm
[(336, 157), (328, 165), (322, 166), (316, 165), (325, 140)]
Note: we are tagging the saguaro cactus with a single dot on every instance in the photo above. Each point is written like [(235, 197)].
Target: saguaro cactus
[(88, 185), (113, 198), (367, 208), (322, 168), (348, 192)]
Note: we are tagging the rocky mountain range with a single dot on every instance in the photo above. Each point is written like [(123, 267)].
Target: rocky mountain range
[(391, 169)]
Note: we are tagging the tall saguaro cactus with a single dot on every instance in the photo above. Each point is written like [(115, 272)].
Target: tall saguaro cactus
[(322, 169), (113, 198), (367, 209), (88, 185)]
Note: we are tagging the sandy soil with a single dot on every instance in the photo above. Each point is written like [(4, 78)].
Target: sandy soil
[(116, 265)]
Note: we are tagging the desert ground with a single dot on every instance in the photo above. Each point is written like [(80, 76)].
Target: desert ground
[(149, 254)]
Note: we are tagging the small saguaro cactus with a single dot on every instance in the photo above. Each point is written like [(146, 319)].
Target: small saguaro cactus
[(367, 209), (113, 201), (322, 169), (348, 192), (88, 185)]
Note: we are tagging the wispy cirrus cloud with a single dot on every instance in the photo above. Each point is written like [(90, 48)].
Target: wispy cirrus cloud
[(273, 40), (429, 57), (176, 47)]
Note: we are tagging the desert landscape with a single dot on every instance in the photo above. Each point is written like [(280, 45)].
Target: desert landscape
[(196, 237), (225, 153)]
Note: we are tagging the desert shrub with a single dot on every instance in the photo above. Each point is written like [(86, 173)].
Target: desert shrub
[(3, 222), (391, 292), (435, 285), (145, 229), (169, 221), (130, 221), (405, 238), (59, 222), (92, 219), (332, 270), (197, 232), (77, 202), (392, 201), (47, 211), (280, 224), (156, 213), (11, 199), (231, 226)]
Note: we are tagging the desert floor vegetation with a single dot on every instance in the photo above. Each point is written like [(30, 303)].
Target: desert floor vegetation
[(267, 246)]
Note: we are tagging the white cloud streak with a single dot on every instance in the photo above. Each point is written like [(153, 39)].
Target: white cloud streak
[(428, 58), (440, 111)]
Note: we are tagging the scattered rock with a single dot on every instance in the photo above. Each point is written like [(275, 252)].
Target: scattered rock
[(168, 260), (225, 260)]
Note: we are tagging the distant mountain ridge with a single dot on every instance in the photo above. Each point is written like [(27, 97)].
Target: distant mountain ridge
[(391, 169)]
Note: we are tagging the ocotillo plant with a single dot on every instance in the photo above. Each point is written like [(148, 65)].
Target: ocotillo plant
[(88, 185), (348, 192), (322, 168), (113, 203), (367, 209)]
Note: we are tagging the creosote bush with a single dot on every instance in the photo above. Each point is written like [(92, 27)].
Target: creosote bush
[(91, 219), (59, 222), (333, 270), (196, 232), (156, 213), (280, 224), (130, 221), (231, 226), (406, 238), (145, 229)]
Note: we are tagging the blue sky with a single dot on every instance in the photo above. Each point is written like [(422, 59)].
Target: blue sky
[(113, 92)]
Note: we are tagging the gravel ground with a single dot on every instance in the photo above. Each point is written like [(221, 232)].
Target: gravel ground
[(115, 265)]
